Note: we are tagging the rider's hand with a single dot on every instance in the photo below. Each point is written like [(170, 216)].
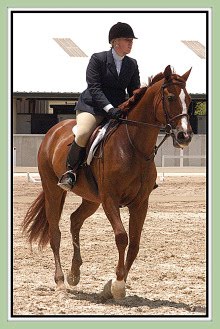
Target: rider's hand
[(114, 113)]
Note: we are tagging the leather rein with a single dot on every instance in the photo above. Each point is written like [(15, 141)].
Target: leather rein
[(167, 128)]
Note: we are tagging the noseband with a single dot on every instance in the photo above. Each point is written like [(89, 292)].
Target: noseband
[(167, 128)]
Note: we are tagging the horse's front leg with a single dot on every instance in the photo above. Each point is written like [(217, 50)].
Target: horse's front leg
[(138, 214), (77, 218), (116, 288)]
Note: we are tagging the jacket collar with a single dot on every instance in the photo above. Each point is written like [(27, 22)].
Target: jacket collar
[(112, 67), (124, 67), (111, 63)]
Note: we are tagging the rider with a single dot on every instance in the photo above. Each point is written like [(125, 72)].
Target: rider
[(108, 75)]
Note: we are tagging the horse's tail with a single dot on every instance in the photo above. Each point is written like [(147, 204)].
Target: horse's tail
[(35, 224)]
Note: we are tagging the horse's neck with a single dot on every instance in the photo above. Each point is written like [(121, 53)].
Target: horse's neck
[(144, 110), (144, 136)]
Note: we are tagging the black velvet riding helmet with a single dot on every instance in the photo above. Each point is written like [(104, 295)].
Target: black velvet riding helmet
[(120, 30)]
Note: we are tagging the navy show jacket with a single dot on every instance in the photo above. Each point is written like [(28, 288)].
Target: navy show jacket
[(105, 86)]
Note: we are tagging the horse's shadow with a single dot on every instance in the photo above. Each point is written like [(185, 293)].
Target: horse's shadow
[(135, 301)]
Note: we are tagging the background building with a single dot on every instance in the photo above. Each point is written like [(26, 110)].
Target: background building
[(50, 53)]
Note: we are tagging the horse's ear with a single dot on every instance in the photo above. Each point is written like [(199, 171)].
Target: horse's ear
[(186, 75), (167, 72)]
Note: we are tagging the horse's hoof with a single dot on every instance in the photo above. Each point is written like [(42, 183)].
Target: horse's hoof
[(73, 280), (61, 287), (106, 293), (118, 289)]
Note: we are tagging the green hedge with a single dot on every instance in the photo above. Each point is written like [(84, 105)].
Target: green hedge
[(200, 108)]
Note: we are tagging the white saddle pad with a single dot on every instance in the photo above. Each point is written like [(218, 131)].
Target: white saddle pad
[(96, 142)]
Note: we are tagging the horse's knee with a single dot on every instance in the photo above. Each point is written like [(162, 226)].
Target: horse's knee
[(121, 240)]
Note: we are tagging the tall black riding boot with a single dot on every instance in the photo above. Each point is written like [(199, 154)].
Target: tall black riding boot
[(74, 160)]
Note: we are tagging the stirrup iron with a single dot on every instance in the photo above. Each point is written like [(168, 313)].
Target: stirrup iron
[(67, 183)]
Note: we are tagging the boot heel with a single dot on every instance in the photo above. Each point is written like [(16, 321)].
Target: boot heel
[(74, 159)]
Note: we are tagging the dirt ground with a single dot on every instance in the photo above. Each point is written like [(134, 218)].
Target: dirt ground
[(167, 278)]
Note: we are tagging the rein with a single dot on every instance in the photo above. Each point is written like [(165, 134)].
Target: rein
[(169, 130), (153, 154)]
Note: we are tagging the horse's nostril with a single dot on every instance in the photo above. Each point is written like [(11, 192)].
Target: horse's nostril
[(183, 136)]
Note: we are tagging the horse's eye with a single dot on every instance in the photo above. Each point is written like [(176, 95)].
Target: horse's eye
[(170, 98)]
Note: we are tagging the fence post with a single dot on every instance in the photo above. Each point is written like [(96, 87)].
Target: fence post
[(181, 157), (14, 156)]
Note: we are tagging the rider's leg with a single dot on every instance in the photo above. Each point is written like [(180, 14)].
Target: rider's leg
[(86, 124)]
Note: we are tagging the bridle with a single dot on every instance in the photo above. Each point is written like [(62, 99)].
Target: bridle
[(169, 119), (167, 128)]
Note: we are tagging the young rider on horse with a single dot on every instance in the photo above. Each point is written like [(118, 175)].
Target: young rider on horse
[(108, 75)]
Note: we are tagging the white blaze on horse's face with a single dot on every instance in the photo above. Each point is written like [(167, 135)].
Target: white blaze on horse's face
[(182, 133), (184, 122)]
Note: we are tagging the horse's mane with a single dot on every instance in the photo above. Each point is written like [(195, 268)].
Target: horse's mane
[(156, 78), (138, 93), (132, 101)]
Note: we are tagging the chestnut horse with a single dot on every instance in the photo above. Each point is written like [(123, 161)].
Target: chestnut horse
[(125, 176)]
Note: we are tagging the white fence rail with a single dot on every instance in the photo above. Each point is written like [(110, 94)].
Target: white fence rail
[(181, 157)]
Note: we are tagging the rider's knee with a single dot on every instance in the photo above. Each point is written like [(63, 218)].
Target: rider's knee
[(82, 138)]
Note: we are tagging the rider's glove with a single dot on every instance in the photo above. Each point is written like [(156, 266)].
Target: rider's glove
[(114, 113)]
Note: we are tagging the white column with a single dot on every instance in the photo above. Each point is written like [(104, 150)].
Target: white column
[(181, 159)]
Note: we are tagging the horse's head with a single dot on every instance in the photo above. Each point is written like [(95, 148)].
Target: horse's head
[(172, 111)]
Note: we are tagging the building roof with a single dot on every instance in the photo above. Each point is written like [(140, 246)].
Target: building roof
[(196, 47), (47, 95), (70, 47), (72, 96)]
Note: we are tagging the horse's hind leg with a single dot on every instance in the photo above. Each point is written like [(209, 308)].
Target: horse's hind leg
[(86, 209), (54, 201)]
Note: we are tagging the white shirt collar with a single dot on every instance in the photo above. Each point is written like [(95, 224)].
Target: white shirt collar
[(116, 56)]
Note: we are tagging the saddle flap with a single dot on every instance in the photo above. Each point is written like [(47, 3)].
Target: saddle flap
[(95, 140)]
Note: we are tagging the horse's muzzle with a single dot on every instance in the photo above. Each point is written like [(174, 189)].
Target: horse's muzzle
[(182, 138)]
